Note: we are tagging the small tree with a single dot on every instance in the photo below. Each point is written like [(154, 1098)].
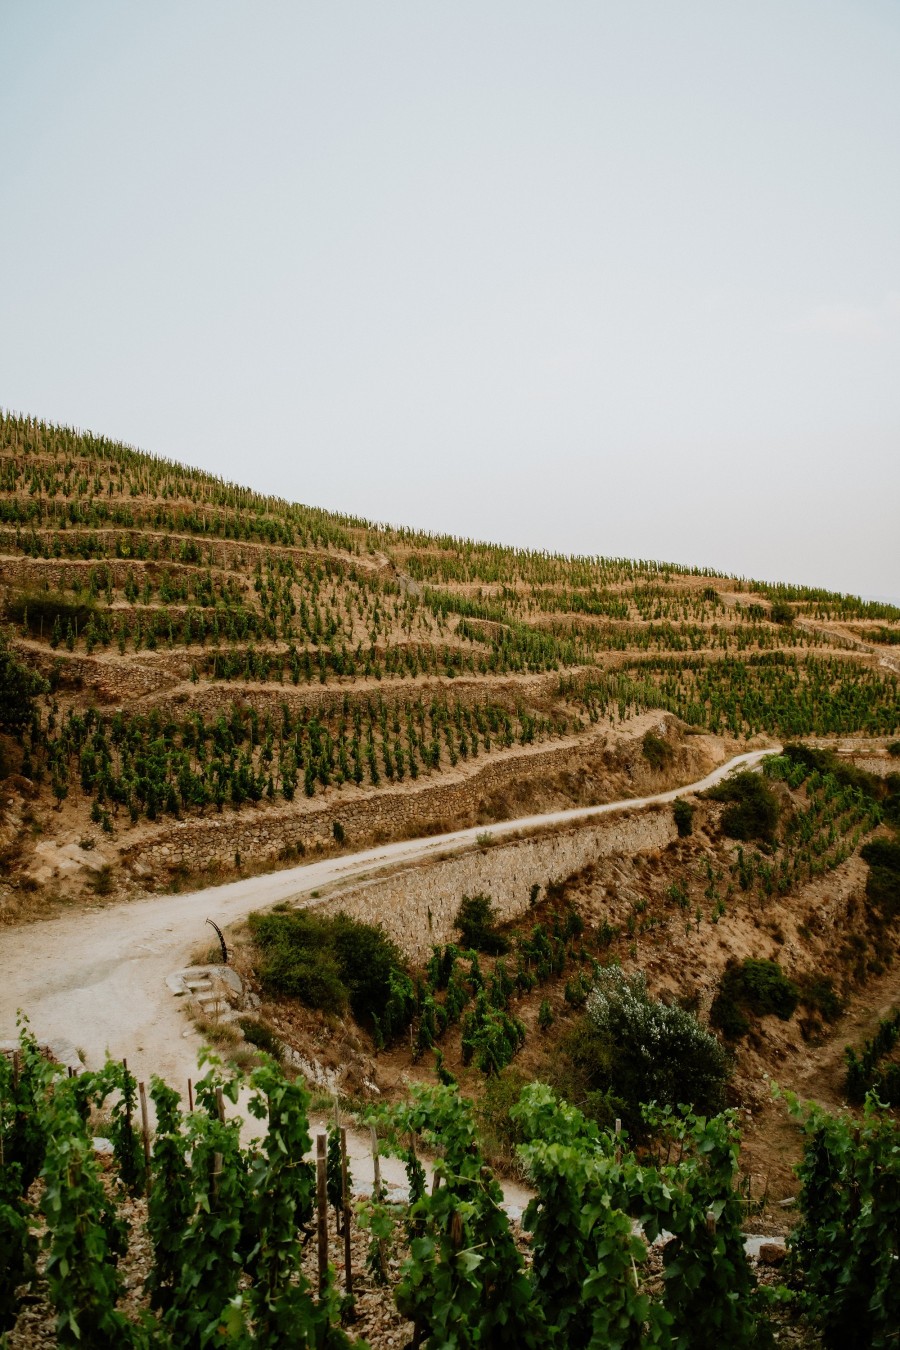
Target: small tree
[(684, 817)]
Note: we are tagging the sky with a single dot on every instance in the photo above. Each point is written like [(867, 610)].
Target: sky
[(617, 278)]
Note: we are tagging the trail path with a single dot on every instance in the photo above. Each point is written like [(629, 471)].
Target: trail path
[(97, 978)]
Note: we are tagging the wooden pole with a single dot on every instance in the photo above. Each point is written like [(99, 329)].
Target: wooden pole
[(345, 1197), (322, 1209), (376, 1165), (220, 1104), (338, 1209), (190, 1095), (127, 1105), (15, 1070), (377, 1196), (145, 1130)]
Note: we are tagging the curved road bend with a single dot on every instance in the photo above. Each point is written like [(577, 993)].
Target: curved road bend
[(96, 978)]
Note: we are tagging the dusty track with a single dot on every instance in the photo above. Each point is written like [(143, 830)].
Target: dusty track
[(97, 978)]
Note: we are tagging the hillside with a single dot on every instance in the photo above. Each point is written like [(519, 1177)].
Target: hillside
[(207, 650), (199, 684)]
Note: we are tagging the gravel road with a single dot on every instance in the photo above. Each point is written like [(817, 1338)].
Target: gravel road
[(97, 978)]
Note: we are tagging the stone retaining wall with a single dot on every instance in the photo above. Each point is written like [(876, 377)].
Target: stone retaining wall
[(417, 906), (265, 834)]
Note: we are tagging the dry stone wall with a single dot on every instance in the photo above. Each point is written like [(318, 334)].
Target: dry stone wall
[(210, 698), (266, 834), (417, 906), (113, 681)]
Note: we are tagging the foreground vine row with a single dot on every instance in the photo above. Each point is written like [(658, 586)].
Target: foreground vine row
[(228, 1223)]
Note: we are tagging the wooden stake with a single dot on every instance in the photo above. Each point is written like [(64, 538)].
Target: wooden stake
[(190, 1095), (322, 1208), (220, 1104), (145, 1130), (345, 1197), (376, 1165), (710, 1222), (618, 1140), (16, 1070), (127, 1107), (377, 1195), (338, 1209)]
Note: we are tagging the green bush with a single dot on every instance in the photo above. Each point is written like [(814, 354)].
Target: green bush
[(40, 610), (657, 752), (476, 922), (630, 1049), (817, 992), (332, 963), (759, 987), (19, 687), (263, 1037), (781, 612), (498, 1132), (684, 817), (894, 749), (883, 881), (752, 811)]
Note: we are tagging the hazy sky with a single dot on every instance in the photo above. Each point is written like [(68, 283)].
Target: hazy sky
[(599, 277)]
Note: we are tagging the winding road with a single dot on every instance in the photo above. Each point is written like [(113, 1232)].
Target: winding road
[(96, 978)]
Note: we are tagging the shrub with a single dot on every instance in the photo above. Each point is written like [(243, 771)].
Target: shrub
[(883, 881), (263, 1037), (631, 1049), (498, 1131), (18, 688), (760, 987), (657, 752), (818, 993), (102, 881), (894, 749), (752, 810), (39, 610), (781, 612), (333, 962), (477, 924), (684, 817)]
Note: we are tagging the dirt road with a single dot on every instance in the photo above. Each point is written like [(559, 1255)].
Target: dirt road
[(97, 978)]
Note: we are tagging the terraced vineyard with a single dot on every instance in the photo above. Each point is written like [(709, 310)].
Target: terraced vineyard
[(198, 646)]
